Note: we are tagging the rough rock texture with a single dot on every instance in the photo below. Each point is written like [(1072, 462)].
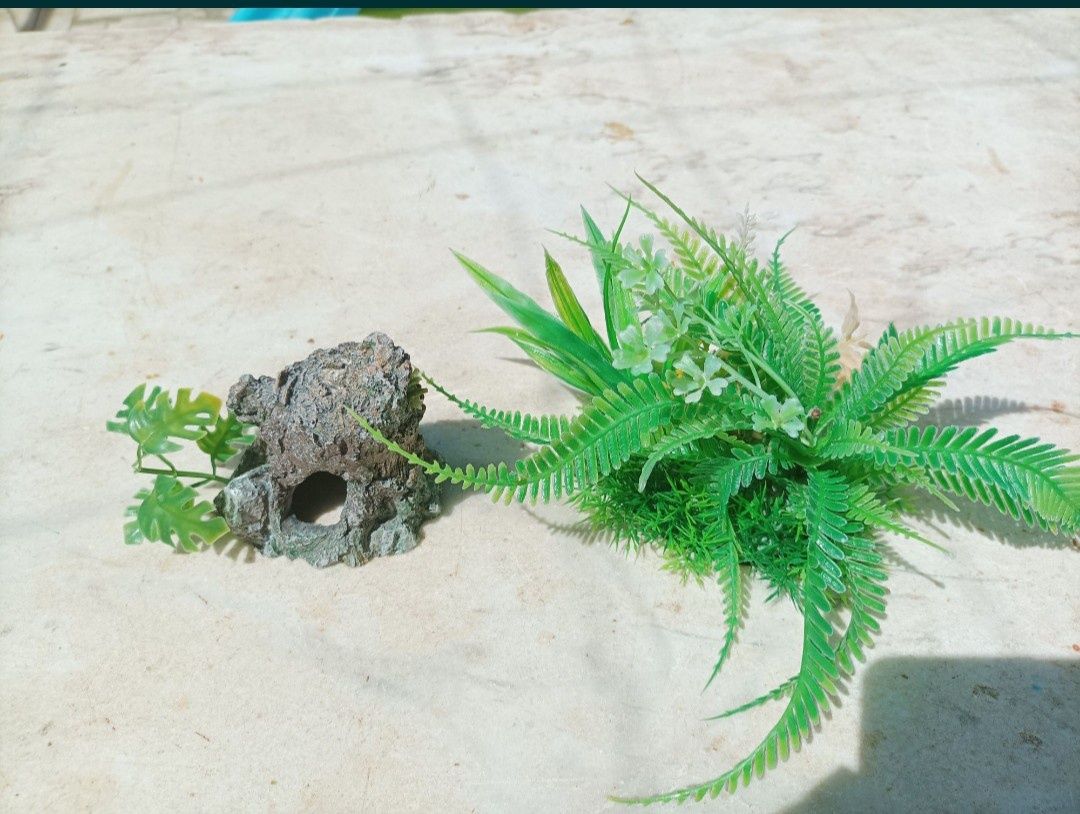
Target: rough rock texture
[(307, 440)]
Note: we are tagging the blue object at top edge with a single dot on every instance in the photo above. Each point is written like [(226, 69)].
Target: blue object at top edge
[(254, 15)]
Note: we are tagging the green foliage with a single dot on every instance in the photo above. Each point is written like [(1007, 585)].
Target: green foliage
[(169, 511), (717, 431), (225, 438), (153, 420)]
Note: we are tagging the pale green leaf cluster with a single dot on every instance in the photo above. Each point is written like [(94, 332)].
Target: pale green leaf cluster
[(715, 428), (169, 511)]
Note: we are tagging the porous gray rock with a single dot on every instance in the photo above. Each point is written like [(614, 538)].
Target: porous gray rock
[(308, 447)]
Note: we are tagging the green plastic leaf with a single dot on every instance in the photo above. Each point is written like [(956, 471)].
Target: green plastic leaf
[(619, 310), (228, 436), (152, 419), (569, 307), (552, 359), (544, 326), (171, 513)]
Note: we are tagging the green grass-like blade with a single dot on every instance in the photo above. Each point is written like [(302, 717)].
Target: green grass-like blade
[(569, 307)]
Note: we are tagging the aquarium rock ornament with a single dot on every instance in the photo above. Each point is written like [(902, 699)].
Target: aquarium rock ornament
[(307, 443), (306, 454)]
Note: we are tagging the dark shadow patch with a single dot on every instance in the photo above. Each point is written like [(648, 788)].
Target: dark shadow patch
[(930, 742)]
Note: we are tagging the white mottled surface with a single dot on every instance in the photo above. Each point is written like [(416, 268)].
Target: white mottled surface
[(168, 196)]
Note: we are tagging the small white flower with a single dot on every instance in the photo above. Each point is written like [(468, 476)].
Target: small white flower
[(691, 381), (637, 351)]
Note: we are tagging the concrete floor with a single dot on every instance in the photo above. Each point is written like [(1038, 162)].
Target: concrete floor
[(213, 200), (19, 20)]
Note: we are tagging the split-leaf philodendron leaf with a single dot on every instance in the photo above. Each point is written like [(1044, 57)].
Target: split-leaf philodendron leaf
[(169, 510)]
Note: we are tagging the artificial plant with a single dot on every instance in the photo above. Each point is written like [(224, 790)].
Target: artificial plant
[(720, 428), (169, 510)]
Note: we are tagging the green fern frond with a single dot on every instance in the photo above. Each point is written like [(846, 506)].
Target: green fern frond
[(820, 357), (827, 505), (809, 697), (774, 694), (865, 581), (729, 575), (869, 510), (609, 430), (882, 374), (726, 476), (524, 427), (711, 424), (972, 339), (918, 356), (908, 406), (1021, 477), (846, 439)]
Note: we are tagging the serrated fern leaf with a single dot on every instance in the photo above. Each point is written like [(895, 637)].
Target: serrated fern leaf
[(827, 505), (774, 694), (883, 371), (152, 419), (976, 337), (907, 406), (171, 513), (729, 575), (911, 359), (820, 357), (810, 696), (1022, 477), (689, 430), (609, 430), (865, 581), (847, 439), (534, 429), (867, 509), (726, 476)]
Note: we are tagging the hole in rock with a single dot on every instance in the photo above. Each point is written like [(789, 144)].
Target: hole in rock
[(318, 499)]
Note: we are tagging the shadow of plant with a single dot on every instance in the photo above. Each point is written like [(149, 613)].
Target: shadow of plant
[(979, 734), (972, 411)]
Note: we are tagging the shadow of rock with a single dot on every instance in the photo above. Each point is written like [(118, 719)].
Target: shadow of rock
[(943, 735)]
